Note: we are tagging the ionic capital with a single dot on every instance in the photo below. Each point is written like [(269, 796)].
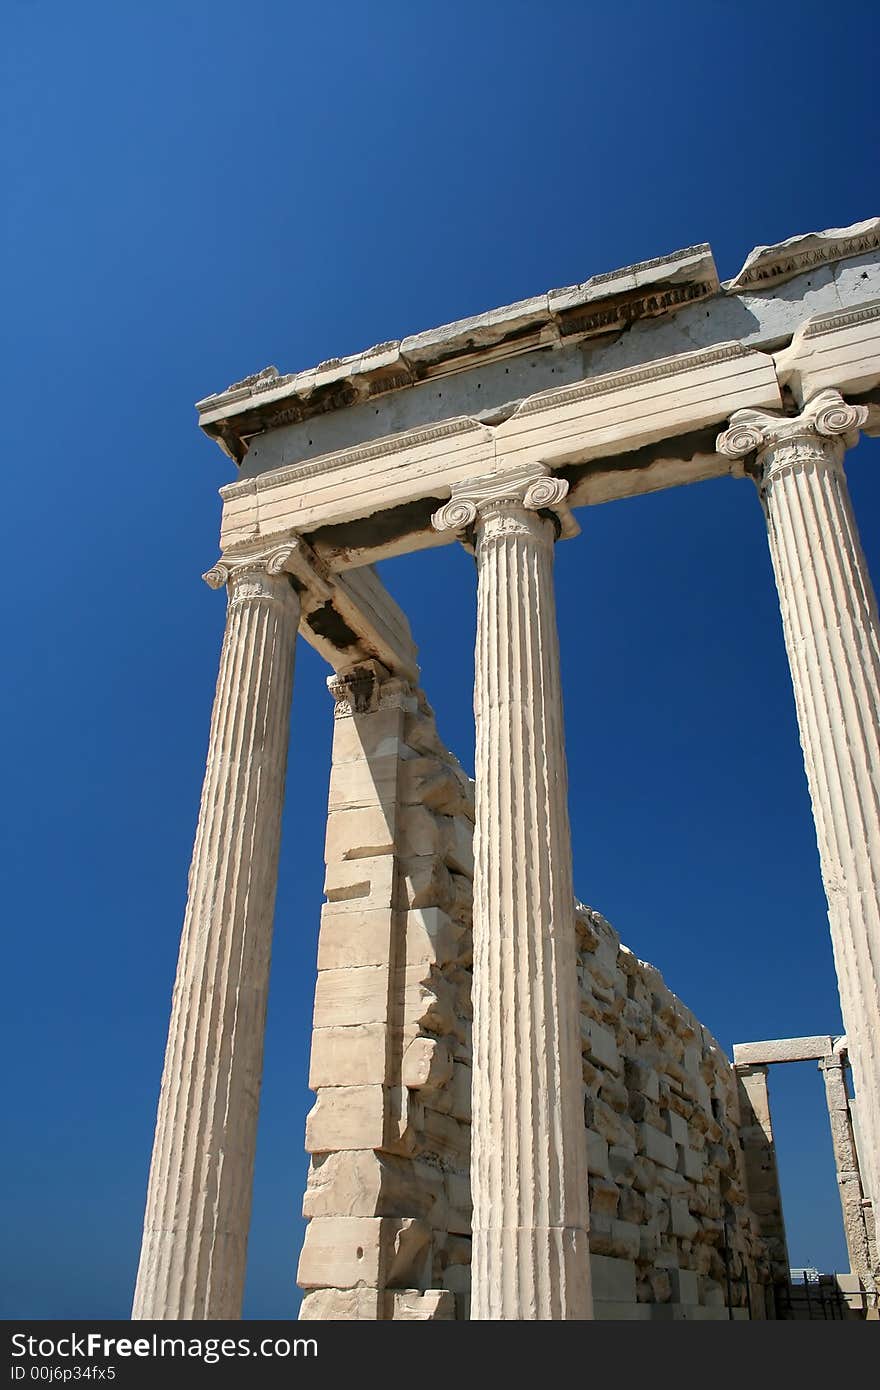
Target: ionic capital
[(256, 568), (825, 428), (532, 488), (367, 687)]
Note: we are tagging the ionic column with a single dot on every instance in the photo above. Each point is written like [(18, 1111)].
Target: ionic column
[(861, 1257), (832, 633), (528, 1142), (199, 1196)]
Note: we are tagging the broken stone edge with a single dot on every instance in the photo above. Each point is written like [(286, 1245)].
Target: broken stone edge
[(603, 304)]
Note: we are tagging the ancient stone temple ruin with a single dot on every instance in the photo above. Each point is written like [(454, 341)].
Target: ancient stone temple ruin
[(514, 1117)]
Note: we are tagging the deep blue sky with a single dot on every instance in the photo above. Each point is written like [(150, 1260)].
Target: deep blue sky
[(198, 189)]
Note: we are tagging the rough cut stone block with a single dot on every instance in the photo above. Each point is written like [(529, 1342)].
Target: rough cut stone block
[(642, 1078), (431, 937), (362, 784), (607, 1311), (433, 783), (435, 1305), (692, 1059), (678, 1129), (347, 997), (426, 882), (685, 1286), (681, 1221), (409, 1252), (353, 1056), (427, 1064), (349, 938), (597, 1154), (346, 1117), (340, 1305), (600, 1044), (340, 1252), (604, 1196), (691, 1163), (427, 1002), (702, 1094), (625, 1239), (445, 1135), (420, 832), (360, 1182), (622, 1162), (360, 834), (610, 1236), (370, 737), (458, 1191), (353, 884), (459, 846), (613, 1279), (657, 1146)]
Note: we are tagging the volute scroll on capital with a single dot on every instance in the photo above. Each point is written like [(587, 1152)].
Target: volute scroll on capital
[(533, 489), (293, 558), (827, 420)]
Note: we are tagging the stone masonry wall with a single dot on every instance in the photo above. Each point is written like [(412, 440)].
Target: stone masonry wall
[(388, 1194), (671, 1234)]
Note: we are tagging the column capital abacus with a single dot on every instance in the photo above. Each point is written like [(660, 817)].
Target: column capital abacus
[(532, 488), (820, 434)]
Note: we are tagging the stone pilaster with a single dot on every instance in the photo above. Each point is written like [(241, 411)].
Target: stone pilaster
[(832, 633), (761, 1172), (862, 1259), (528, 1148), (194, 1248), (387, 1237)]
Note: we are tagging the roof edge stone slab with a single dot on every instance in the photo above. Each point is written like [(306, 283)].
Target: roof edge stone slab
[(603, 304)]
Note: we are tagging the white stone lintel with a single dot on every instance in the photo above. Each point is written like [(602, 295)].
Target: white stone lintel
[(350, 619), (761, 1054)]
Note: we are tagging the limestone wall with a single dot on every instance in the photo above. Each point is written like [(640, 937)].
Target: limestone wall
[(671, 1234), (388, 1192)]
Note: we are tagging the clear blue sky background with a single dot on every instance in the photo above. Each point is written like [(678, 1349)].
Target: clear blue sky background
[(198, 189)]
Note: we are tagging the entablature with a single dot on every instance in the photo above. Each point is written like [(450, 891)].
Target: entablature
[(615, 417)]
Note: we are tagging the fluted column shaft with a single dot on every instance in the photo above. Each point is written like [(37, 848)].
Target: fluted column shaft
[(832, 634), (199, 1196), (846, 1163), (530, 1254)]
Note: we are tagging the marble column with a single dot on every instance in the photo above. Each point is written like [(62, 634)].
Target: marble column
[(832, 633), (528, 1141), (199, 1196), (862, 1259)]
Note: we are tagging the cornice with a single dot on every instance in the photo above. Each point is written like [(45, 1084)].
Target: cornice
[(613, 300), (820, 324), (771, 265)]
